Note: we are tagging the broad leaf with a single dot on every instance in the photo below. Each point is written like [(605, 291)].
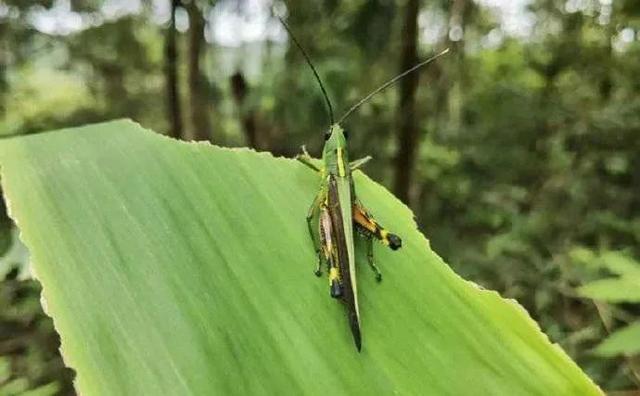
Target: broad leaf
[(175, 268)]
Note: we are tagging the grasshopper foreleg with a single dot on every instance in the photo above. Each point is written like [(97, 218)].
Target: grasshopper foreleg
[(359, 162), (306, 159)]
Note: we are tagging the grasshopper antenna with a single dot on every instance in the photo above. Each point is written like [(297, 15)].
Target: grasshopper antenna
[(315, 73), (390, 83)]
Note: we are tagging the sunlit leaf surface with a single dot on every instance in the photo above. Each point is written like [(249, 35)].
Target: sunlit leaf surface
[(174, 268)]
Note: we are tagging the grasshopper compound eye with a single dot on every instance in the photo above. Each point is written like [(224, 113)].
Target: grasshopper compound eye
[(327, 136), (346, 134)]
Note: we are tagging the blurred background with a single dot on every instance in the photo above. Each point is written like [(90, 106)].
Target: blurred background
[(518, 151)]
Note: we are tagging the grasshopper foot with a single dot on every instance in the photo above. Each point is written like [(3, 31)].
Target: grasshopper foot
[(394, 241)]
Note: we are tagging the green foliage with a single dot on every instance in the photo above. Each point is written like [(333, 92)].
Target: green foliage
[(622, 288), (624, 341), (615, 290), (20, 386), (174, 268), (29, 355), (15, 260)]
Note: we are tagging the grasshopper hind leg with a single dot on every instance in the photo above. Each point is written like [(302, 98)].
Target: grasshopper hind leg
[(328, 250), (372, 263), (318, 270), (366, 225)]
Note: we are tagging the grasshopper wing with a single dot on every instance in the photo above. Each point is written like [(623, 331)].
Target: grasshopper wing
[(340, 208)]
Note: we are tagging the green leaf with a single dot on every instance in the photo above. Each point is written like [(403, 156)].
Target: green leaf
[(625, 341), (17, 257), (615, 290), (5, 369), (583, 256), (175, 268), (14, 387), (50, 389), (619, 263)]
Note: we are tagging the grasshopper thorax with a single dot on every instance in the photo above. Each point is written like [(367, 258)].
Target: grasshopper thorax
[(335, 155)]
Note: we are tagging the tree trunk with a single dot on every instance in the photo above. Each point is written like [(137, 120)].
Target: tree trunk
[(606, 83), (239, 89), (4, 52), (455, 40), (174, 111), (408, 132), (200, 125)]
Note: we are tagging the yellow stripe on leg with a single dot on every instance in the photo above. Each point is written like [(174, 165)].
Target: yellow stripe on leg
[(384, 236), (333, 274)]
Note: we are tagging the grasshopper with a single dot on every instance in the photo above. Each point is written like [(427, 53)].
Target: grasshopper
[(339, 211)]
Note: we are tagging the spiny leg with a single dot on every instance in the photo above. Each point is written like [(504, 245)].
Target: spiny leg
[(372, 264), (325, 243), (328, 248)]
